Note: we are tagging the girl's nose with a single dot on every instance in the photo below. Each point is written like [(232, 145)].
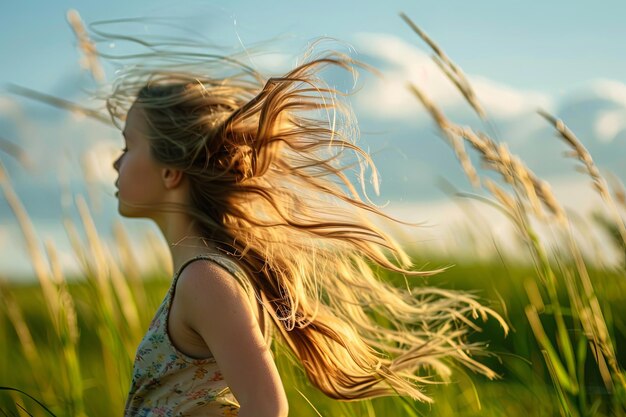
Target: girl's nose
[(116, 164)]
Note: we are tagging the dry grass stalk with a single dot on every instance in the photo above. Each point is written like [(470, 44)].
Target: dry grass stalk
[(32, 246), (514, 171), (129, 267), (496, 157), (450, 69), (463, 157), (16, 152), (97, 261), (509, 205), (453, 140), (505, 156), (58, 102), (581, 153), (66, 302), (545, 194), (126, 300), (77, 245), (90, 59), (619, 192), (523, 175)]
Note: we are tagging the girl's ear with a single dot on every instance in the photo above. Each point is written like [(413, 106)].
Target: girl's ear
[(172, 177)]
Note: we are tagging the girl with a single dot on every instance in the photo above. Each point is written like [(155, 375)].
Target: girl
[(248, 179)]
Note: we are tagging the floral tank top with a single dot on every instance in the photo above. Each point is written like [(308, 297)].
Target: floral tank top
[(165, 381)]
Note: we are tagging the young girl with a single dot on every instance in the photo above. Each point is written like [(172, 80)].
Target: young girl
[(248, 179)]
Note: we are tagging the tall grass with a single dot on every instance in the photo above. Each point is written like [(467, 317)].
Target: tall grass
[(70, 343), (582, 324)]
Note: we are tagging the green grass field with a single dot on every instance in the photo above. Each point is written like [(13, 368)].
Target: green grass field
[(525, 388)]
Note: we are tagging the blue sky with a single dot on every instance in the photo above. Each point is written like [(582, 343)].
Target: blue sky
[(567, 57), (527, 44)]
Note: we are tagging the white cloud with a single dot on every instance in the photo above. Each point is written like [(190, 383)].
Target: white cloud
[(609, 124), (389, 97), (608, 90)]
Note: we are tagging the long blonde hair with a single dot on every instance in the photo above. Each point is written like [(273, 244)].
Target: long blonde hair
[(269, 162)]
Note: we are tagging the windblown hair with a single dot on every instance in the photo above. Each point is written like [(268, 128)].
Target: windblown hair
[(270, 162)]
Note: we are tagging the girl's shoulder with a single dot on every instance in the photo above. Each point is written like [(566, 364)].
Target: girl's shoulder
[(216, 259), (210, 283), (204, 273), (212, 277), (208, 289)]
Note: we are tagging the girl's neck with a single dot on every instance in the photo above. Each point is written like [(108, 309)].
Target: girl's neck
[(188, 248)]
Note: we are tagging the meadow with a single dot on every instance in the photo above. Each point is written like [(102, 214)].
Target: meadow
[(69, 341)]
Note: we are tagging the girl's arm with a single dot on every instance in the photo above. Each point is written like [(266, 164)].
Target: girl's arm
[(215, 306)]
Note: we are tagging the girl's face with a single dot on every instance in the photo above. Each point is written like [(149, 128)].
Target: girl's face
[(139, 175)]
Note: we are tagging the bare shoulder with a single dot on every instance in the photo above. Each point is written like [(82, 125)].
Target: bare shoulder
[(204, 274), (206, 288), (204, 280)]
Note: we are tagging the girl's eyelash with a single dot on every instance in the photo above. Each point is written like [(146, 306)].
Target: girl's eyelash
[(124, 149)]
